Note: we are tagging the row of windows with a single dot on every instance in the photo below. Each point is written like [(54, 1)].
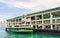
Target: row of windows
[(45, 16), (46, 21), (40, 22)]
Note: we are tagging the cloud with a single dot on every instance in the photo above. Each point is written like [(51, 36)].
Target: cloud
[(7, 11), (35, 5)]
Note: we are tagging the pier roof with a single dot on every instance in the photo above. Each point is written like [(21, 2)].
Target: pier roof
[(53, 9)]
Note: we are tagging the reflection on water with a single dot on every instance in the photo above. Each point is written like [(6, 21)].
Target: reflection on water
[(4, 34), (16, 35)]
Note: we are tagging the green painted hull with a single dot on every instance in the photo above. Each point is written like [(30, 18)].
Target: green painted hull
[(20, 30)]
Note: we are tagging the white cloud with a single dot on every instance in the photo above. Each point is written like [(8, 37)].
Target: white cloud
[(34, 5)]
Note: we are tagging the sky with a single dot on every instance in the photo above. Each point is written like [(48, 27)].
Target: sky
[(13, 8)]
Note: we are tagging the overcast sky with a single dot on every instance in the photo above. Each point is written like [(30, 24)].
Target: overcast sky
[(13, 8)]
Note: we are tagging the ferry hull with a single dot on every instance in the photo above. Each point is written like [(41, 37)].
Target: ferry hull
[(19, 30)]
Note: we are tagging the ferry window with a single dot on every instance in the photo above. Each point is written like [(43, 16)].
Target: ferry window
[(39, 17), (33, 22), (20, 19), (53, 21), (17, 26), (27, 22), (56, 14), (39, 22), (47, 27), (40, 27), (33, 18), (23, 22), (58, 21), (47, 22), (45, 16), (27, 17)]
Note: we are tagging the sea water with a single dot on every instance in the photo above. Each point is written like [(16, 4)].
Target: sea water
[(4, 34)]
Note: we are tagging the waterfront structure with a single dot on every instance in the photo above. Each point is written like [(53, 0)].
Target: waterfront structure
[(48, 20)]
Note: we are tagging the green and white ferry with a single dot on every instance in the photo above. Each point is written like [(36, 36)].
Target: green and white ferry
[(19, 24)]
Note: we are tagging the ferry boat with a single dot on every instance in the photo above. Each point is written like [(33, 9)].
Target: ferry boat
[(19, 24), (21, 30), (48, 20)]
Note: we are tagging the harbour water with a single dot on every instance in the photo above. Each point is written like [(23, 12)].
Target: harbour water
[(4, 34)]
